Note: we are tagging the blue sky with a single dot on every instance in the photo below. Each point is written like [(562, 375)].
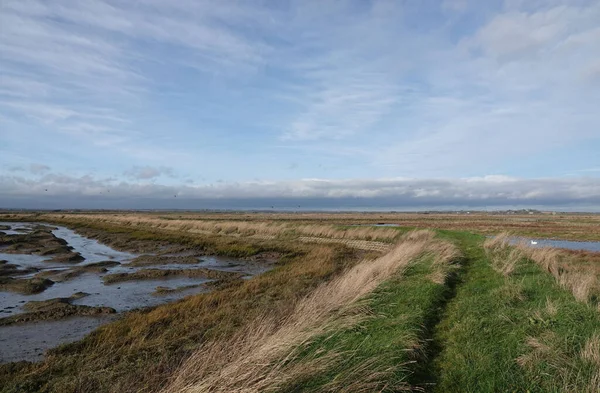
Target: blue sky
[(301, 99)]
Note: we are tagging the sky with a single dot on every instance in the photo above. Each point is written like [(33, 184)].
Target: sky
[(321, 104)]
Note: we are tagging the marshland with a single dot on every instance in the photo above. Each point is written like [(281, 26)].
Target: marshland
[(299, 302)]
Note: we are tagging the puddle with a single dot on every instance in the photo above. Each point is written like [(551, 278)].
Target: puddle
[(26, 341), (568, 244)]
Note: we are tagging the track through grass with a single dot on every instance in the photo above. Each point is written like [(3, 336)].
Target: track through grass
[(389, 351), (521, 333)]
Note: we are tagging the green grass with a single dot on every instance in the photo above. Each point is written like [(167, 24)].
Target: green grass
[(394, 339), (478, 332), (488, 324), (481, 332)]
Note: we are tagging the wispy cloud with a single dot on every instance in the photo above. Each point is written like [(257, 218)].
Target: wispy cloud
[(148, 172), (33, 168), (345, 89)]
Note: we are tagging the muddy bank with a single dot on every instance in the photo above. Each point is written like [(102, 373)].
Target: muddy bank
[(11, 269), (53, 309), (166, 290), (126, 242), (60, 275), (40, 241), (25, 286), (150, 260), (153, 274)]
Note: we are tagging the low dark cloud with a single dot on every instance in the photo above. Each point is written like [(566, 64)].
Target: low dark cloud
[(62, 191)]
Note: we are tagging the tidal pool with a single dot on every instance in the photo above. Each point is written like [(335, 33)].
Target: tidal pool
[(28, 341)]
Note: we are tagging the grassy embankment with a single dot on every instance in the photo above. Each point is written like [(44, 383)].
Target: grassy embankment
[(363, 331), (511, 329)]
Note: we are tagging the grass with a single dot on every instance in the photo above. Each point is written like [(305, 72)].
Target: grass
[(563, 225), (334, 318), (516, 333), (267, 354), (388, 352), (578, 272)]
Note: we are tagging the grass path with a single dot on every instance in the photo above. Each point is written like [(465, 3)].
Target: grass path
[(521, 333), (387, 352)]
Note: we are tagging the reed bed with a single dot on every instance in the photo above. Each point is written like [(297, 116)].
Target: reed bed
[(240, 228)]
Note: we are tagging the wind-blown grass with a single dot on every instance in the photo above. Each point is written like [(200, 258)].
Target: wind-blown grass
[(267, 355)]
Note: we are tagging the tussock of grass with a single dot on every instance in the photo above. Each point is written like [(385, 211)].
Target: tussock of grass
[(591, 350), (502, 255)]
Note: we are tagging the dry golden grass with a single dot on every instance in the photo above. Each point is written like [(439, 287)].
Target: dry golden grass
[(563, 225), (238, 228), (565, 369), (591, 351), (570, 269), (540, 351), (264, 355), (502, 255), (580, 279), (360, 244)]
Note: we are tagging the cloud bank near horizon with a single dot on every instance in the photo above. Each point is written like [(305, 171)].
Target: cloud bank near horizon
[(53, 190)]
